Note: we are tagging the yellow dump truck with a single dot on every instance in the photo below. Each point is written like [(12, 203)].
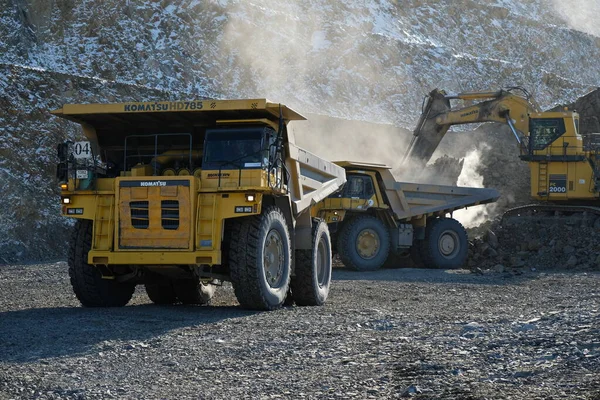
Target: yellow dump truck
[(180, 196), (376, 220)]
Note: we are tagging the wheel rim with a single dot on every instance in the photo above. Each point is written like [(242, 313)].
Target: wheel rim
[(273, 259), (322, 261), (367, 243), (449, 244)]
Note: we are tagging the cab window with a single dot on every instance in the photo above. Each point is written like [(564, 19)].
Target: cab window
[(236, 149), (358, 186), (544, 131)]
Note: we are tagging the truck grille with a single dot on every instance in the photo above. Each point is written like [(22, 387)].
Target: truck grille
[(155, 213), (170, 214), (139, 214)]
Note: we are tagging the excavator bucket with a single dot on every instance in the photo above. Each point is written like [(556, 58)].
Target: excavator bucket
[(428, 133)]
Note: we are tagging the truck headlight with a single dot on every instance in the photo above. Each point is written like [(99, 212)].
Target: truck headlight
[(250, 197), (66, 200)]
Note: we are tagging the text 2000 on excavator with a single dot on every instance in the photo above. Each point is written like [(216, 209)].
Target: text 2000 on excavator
[(565, 170)]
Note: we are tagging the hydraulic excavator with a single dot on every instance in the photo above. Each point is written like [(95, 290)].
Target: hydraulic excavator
[(565, 167)]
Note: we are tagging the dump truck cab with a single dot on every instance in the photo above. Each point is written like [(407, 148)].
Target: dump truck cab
[(377, 221), (167, 192)]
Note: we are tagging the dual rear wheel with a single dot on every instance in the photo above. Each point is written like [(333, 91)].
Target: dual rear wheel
[(445, 246), (364, 245), (260, 259)]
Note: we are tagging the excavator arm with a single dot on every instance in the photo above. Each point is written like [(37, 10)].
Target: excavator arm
[(438, 116)]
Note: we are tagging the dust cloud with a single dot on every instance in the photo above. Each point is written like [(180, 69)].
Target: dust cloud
[(286, 51), (470, 176), (292, 56), (343, 140), (581, 15)]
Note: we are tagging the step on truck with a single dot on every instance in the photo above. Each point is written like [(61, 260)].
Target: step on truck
[(376, 221), (181, 196)]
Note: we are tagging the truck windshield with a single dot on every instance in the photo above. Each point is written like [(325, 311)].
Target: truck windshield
[(356, 187), (235, 149)]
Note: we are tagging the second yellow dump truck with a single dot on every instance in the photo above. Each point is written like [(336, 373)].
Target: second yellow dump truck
[(182, 195), (377, 221)]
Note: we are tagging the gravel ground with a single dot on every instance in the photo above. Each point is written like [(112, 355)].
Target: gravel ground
[(423, 334)]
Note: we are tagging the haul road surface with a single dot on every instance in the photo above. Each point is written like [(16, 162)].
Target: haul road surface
[(425, 334)]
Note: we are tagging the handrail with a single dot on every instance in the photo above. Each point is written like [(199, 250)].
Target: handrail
[(155, 153)]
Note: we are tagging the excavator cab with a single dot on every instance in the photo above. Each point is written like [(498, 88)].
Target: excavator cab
[(553, 134)]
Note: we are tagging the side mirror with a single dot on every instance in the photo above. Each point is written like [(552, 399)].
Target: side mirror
[(62, 151)]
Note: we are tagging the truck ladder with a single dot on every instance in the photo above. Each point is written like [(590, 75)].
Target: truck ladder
[(205, 227), (103, 229), (543, 179)]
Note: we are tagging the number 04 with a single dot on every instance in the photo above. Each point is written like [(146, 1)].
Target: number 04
[(82, 150)]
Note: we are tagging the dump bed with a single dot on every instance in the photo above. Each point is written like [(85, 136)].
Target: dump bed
[(312, 178), (415, 200)]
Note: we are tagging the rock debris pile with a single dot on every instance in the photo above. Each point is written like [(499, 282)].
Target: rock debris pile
[(537, 241)]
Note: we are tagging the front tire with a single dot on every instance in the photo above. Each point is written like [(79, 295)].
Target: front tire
[(364, 243), (310, 285), (259, 260), (89, 287), (445, 245)]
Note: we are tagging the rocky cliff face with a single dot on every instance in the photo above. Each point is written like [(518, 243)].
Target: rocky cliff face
[(588, 107), (30, 223), (369, 61)]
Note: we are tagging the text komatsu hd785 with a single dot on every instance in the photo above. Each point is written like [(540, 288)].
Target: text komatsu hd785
[(180, 196)]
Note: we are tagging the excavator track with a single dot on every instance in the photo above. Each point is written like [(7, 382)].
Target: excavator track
[(558, 210)]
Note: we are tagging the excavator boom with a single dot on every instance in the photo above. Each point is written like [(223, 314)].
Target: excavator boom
[(438, 116)]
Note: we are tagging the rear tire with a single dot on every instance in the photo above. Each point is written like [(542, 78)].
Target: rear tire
[(364, 243), (260, 260), (89, 287), (310, 285), (446, 244), (192, 291)]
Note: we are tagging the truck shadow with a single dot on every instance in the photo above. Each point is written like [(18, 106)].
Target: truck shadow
[(34, 334), (438, 276)]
